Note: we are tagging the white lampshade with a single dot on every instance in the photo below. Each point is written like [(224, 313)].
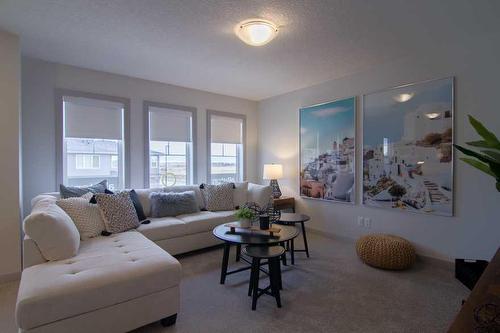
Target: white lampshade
[(273, 171)]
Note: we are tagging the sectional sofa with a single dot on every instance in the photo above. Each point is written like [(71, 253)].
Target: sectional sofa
[(119, 282)]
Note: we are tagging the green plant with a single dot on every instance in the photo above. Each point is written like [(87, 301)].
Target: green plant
[(488, 161), (245, 213), (397, 191)]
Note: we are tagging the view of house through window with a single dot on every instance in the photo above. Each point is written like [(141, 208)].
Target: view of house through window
[(93, 142), (226, 149), (170, 147)]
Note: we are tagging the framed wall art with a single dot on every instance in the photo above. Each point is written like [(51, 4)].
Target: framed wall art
[(408, 148), (327, 151)]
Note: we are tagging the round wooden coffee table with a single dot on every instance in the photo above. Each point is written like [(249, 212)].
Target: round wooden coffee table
[(222, 232), (292, 219)]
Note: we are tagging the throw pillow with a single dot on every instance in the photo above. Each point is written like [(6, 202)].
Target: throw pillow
[(260, 194), (85, 215), (240, 196), (94, 201), (74, 191), (52, 230), (218, 197), (137, 205), (173, 204), (117, 211)]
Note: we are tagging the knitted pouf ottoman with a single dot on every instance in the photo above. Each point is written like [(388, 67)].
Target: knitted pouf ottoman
[(385, 251)]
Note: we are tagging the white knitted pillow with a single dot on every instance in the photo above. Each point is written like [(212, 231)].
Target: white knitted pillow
[(85, 215)]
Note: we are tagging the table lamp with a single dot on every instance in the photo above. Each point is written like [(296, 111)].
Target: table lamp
[(273, 172)]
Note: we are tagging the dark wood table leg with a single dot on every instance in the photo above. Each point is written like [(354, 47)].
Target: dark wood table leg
[(255, 282), (305, 238), (238, 252), (225, 260), (292, 251), (283, 257), (274, 279)]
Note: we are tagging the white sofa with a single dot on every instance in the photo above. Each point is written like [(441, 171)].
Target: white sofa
[(120, 282)]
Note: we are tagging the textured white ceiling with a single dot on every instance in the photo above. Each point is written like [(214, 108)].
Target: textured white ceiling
[(191, 42)]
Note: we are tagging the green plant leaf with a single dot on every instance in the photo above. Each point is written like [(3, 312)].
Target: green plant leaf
[(493, 154), (482, 158), (483, 131), (483, 144), (478, 165), (495, 168)]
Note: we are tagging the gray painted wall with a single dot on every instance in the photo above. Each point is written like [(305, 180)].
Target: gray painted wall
[(39, 81), (10, 84), (475, 230)]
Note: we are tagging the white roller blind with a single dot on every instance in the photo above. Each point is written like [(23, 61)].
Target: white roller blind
[(92, 119), (169, 125), (226, 130)]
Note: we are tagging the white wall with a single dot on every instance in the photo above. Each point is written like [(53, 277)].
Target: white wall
[(39, 81), (474, 232), (10, 76)]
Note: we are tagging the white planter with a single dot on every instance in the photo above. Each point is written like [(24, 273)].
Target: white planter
[(245, 223)]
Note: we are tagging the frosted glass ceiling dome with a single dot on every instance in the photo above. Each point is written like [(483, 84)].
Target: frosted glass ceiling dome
[(256, 32)]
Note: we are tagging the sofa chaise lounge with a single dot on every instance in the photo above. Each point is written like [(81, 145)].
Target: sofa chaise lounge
[(119, 282)]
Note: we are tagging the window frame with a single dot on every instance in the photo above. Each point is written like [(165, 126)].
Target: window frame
[(239, 116), (194, 137), (59, 103)]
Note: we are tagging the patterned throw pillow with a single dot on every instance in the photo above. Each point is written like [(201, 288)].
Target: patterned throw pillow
[(85, 215), (117, 211), (173, 204), (74, 191), (218, 197)]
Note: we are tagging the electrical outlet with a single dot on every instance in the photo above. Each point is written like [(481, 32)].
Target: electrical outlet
[(367, 222), (360, 221)]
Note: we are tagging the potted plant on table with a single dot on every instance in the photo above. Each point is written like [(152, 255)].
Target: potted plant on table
[(245, 215)]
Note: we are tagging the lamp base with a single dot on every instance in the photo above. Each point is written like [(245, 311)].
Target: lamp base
[(276, 188)]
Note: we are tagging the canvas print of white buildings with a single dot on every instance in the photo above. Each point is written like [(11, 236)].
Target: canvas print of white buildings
[(408, 148), (327, 169)]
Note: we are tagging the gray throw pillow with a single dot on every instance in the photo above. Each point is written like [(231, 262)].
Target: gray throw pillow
[(218, 197), (173, 204), (76, 191), (117, 211)]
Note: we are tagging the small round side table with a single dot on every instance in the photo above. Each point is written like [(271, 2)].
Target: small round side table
[(293, 219)]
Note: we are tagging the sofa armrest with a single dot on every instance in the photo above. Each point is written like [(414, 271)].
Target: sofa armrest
[(31, 253)]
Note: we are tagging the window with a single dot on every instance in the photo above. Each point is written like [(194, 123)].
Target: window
[(93, 142), (170, 144), (88, 161), (226, 147)]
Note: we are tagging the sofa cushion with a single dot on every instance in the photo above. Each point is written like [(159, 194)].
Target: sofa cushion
[(52, 230), (85, 215), (118, 212), (106, 271), (173, 204), (260, 194), (205, 220), (163, 228)]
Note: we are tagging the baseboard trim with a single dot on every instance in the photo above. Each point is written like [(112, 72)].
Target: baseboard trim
[(10, 277), (425, 257)]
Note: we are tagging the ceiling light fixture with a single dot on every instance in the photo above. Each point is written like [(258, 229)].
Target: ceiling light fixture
[(433, 115), (256, 32), (403, 97)]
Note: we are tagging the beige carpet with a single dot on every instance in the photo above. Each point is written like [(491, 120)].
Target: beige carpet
[(330, 292)]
